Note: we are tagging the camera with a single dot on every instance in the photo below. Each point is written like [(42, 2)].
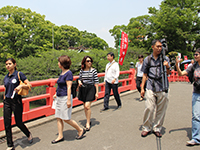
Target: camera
[(164, 44)]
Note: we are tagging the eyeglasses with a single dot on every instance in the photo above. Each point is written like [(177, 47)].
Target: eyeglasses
[(196, 55), (140, 57), (88, 61)]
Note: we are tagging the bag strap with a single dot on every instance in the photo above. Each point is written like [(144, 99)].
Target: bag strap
[(110, 65), (19, 76)]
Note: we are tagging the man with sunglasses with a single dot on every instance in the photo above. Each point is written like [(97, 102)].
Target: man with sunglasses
[(111, 81), (194, 71)]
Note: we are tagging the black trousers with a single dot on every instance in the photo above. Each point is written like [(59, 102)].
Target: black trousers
[(114, 87), (138, 83), (13, 105)]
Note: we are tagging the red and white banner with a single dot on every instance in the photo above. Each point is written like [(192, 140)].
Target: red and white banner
[(123, 47)]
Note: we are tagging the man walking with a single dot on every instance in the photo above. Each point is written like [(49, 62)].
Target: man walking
[(111, 81), (156, 97)]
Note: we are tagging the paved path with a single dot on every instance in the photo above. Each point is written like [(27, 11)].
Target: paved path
[(120, 129)]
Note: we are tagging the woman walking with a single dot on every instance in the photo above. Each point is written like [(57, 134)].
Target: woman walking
[(13, 102), (88, 87), (139, 74), (63, 98)]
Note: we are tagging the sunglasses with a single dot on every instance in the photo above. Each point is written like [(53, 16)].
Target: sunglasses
[(88, 61), (196, 55), (140, 57)]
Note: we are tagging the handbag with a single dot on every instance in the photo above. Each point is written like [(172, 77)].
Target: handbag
[(23, 91)]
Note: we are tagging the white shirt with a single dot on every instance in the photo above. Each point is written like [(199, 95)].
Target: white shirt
[(112, 72), (139, 72)]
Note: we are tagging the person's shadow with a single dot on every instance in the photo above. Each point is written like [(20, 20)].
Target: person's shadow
[(23, 142), (188, 130), (93, 121)]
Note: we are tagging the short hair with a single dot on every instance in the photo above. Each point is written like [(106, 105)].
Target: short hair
[(154, 42), (65, 61), (111, 54), (198, 50), (84, 60), (140, 56)]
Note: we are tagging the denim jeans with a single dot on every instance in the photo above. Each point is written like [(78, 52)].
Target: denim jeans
[(196, 117)]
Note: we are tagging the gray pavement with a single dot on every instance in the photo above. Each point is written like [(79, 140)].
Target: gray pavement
[(117, 130)]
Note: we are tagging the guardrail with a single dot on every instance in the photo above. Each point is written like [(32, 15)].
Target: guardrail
[(28, 114), (46, 110)]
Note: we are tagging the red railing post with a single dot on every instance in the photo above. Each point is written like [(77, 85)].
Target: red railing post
[(132, 82)]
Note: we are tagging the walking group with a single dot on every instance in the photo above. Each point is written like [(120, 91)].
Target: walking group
[(149, 83)]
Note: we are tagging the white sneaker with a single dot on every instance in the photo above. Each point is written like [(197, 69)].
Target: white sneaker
[(191, 143)]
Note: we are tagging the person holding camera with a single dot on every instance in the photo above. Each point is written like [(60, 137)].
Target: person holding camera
[(156, 96), (194, 72)]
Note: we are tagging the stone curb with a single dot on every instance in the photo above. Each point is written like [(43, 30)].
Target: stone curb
[(52, 117)]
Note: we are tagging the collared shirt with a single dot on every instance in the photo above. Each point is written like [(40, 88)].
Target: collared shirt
[(112, 72), (154, 72), (139, 72), (11, 82)]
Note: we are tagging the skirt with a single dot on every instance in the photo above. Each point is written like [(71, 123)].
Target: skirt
[(61, 110), (87, 93)]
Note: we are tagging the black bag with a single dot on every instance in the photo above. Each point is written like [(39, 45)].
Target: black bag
[(74, 89), (191, 74)]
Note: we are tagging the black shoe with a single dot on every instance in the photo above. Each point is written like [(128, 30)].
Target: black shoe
[(81, 136), (54, 142), (31, 140), (104, 109)]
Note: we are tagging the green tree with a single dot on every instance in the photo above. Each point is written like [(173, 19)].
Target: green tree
[(23, 32), (178, 22)]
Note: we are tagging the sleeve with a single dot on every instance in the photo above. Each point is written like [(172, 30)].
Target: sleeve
[(144, 68), (69, 76), (136, 64), (80, 75), (22, 76), (95, 77), (189, 69), (167, 58), (117, 70)]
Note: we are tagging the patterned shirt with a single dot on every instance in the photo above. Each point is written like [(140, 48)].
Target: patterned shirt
[(89, 77)]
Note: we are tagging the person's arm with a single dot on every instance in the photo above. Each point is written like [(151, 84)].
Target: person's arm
[(180, 73), (116, 67), (69, 85), (144, 79)]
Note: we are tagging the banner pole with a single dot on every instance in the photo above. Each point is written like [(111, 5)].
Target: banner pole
[(119, 45)]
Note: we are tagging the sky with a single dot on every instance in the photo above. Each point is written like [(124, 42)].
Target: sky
[(94, 16)]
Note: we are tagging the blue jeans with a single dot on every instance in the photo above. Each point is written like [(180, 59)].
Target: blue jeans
[(196, 117)]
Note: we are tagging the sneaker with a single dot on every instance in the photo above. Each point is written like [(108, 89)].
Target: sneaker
[(191, 143)]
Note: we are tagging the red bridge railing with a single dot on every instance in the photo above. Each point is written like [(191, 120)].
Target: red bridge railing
[(28, 114)]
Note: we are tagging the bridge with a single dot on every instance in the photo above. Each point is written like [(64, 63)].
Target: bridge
[(113, 129)]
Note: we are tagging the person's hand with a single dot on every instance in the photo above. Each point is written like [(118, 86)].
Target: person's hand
[(69, 104), (113, 81), (134, 77), (96, 96), (54, 97), (142, 93), (80, 83), (178, 60), (18, 88), (104, 83), (165, 63)]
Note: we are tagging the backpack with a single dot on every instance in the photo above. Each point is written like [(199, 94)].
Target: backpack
[(191, 73)]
